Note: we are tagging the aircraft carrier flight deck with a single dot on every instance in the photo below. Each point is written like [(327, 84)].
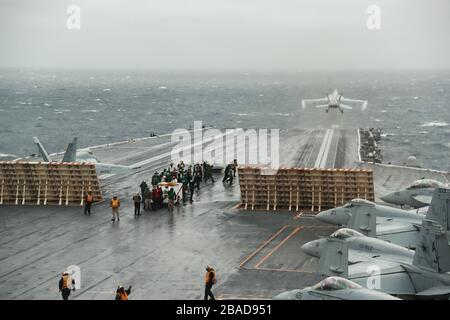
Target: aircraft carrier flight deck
[(256, 254)]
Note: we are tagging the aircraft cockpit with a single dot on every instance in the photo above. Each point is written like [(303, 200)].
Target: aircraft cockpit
[(345, 233), (425, 183), (335, 283), (358, 201)]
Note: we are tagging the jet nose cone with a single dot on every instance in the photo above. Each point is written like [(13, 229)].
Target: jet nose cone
[(325, 216), (389, 198), (313, 248)]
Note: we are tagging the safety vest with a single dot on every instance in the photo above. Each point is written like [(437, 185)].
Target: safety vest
[(89, 198), (207, 276), (115, 203), (122, 295), (67, 282)]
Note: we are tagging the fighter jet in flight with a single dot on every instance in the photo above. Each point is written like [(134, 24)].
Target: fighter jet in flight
[(334, 288), (387, 223), (334, 101), (417, 195), (84, 155), (427, 275)]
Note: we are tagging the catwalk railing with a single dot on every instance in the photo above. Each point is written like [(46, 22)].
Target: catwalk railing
[(47, 183), (302, 189)]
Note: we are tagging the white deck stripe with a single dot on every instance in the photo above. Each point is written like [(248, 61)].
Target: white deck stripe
[(324, 149), (167, 154)]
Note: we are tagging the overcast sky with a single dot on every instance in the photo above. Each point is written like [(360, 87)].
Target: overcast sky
[(226, 34)]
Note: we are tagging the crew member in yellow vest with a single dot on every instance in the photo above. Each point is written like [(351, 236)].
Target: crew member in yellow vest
[(88, 199), (210, 280), (66, 284), (122, 294), (115, 205)]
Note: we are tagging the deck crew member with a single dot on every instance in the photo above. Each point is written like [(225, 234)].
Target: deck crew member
[(147, 200), (66, 284), (228, 176), (137, 204), (115, 205), (144, 187), (235, 164), (156, 179), (210, 280), (171, 195), (122, 294), (89, 199), (191, 190)]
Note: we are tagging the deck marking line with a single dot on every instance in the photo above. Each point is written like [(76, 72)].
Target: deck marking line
[(262, 246), (277, 247)]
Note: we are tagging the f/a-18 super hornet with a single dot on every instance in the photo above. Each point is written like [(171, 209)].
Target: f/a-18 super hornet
[(334, 101), (427, 275), (361, 247), (417, 195), (391, 224), (334, 288), (84, 155)]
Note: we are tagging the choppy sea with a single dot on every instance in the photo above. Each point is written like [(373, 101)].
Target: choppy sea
[(412, 108)]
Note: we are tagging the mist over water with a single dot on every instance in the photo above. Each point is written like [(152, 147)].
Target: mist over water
[(412, 108)]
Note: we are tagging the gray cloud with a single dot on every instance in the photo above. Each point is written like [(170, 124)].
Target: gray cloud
[(225, 34)]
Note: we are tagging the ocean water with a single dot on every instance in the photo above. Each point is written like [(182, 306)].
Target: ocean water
[(412, 108)]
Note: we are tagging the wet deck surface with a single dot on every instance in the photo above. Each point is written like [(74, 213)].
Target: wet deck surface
[(161, 254)]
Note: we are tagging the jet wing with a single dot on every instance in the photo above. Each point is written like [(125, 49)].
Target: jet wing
[(363, 102), (392, 225), (344, 106), (390, 277), (398, 231), (305, 101), (380, 259)]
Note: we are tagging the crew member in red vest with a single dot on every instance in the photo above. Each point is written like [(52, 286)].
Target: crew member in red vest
[(210, 280), (88, 199), (66, 284), (122, 294)]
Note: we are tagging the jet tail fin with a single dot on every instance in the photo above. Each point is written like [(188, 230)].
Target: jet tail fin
[(334, 258), (439, 209), (42, 150), (364, 222), (71, 152), (432, 251)]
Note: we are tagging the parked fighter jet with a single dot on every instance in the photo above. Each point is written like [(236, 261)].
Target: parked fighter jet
[(334, 288), (427, 275), (361, 247), (334, 101), (84, 155), (417, 195), (387, 223)]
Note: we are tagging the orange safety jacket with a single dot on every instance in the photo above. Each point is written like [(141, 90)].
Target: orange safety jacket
[(122, 295), (67, 282), (89, 198), (210, 277), (115, 203)]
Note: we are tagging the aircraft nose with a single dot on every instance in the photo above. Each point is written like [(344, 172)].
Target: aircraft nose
[(325, 216), (389, 198), (313, 248)]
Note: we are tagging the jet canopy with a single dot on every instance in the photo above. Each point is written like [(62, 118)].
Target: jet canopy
[(425, 183), (345, 233), (335, 283), (358, 201)]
